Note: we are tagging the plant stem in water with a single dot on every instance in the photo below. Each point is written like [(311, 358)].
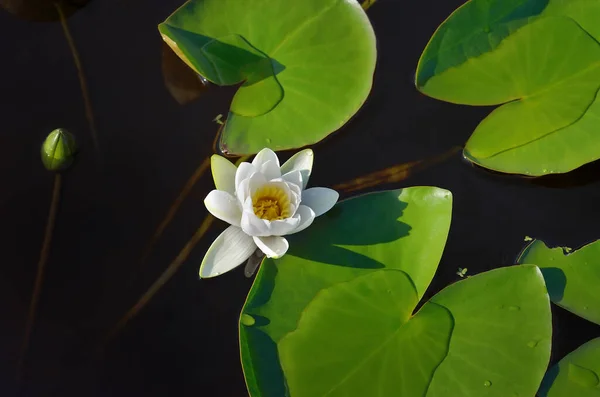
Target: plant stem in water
[(89, 114), (394, 174), (187, 188), (189, 185), (167, 274), (163, 278), (44, 253), (367, 3)]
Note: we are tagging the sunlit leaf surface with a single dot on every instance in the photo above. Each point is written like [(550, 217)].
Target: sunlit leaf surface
[(335, 315), (578, 374), (572, 277), (302, 74), (540, 60)]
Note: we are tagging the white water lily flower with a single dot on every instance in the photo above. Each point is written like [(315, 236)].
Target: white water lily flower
[(263, 202)]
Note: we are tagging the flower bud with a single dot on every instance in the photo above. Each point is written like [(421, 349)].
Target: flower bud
[(58, 150)]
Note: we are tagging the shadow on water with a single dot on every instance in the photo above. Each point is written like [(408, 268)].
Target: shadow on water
[(585, 175), (183, 83)]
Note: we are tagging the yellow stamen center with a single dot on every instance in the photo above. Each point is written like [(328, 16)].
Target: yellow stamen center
[(271, 203)]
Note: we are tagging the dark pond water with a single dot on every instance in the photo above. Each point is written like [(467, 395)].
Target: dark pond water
[(184, 342)]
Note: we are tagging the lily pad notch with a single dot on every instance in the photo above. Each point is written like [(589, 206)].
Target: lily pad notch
[(302, 75), (539, 61), (335, 315)]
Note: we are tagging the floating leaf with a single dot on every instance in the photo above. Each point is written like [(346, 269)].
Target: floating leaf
[(544, 68), (302, 74), (42, 10), (402, 229), (334, 316), (183, 83), (572, 277), (578, 374)]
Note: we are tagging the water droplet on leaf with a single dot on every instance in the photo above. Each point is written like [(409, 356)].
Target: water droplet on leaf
[(487, 383), (514, 308), (268, 141), (583, 376), (247, 320), (533, 343)]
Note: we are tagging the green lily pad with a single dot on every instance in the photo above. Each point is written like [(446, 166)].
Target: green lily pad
[(401, 229), (357, 337), (494, 52), (578, 374), (334, 316), (302, 74), (572, 277)]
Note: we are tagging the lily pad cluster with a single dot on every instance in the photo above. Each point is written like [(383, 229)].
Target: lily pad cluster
[(301, 75), (539, 60), (572, 278), (337, 314)]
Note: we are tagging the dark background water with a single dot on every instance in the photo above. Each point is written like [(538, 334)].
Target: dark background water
[(184, 343)]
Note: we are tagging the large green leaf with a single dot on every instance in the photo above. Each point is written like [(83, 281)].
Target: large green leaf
[(485, 336), (576, 375), (573, 278), (402, 229), (533, 56), (303, 73), (334, 316)]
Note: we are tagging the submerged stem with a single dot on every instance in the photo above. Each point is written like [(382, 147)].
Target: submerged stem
[(394, 174), (44, 253), (89, 114), (367, 3), (168, 273), (163, 278), (187, 188)]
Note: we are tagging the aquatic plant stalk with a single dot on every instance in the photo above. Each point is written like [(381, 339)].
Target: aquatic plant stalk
[(89, 114), (44, 253), (187, 188), (394, 174), (185, 191), (366, 4), (167, 274), (163, 278)]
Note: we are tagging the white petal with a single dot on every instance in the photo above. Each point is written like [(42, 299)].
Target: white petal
[(255, 182), (224, 206), (270, 169), (263, 156), (306, 216), (223, 172), (301, 161), (273, 246), (283, 226), (320, 199), (244, 171), (249, 185), (228, 251), (294, 177), (252, 224)]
